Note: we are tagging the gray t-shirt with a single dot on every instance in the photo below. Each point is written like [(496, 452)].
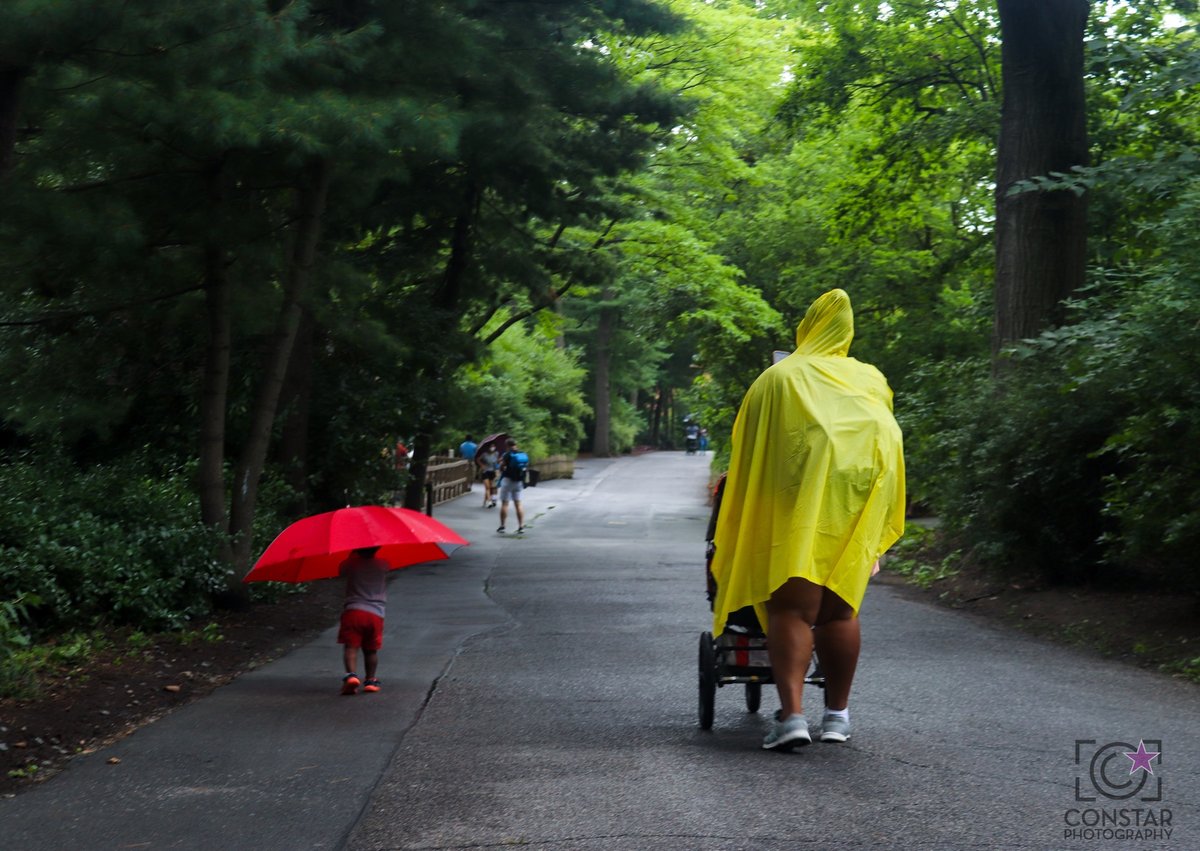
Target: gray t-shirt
[(366, 584)]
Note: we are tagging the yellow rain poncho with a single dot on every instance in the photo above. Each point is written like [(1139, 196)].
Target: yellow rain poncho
[(816, 480)]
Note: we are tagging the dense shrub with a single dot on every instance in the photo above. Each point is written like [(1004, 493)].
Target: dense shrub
[(1078, 461), (528, 387), (115, 544), (1021, 477), (1153, 363)]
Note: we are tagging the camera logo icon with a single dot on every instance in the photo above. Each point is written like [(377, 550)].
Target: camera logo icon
[(1118, 771)]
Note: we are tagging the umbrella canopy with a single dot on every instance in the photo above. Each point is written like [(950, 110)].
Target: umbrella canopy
[(314, 548), (498, 439)]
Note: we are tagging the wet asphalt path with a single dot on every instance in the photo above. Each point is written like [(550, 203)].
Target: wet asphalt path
[(540, 692)]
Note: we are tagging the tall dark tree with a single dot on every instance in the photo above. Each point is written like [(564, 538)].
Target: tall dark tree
[(1041, 234), (544, 117), (180, 192)]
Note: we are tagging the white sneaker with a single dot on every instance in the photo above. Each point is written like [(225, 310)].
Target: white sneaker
[(835, 728), (792, 732)]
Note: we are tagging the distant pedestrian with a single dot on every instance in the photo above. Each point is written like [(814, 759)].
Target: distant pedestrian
[(362, 617), (487, 461), (703, 441), (513, 465), (467, 449)]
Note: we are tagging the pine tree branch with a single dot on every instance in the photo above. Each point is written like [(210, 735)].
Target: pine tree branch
[(97, 311), (554, 296), (131, 178)]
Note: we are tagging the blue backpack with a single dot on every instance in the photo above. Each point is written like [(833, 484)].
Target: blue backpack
[(515, 465)]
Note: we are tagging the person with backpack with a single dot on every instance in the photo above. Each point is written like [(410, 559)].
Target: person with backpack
[(513, 465)]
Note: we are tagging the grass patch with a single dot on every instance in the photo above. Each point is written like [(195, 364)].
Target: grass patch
[(913, 558), (23, 668), (1189, 669)]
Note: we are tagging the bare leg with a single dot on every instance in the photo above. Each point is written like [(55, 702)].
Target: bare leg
[(371, 660), (794, 610), (504, 513), (838, 643), (520, 512), (791, 612), (350, 658)]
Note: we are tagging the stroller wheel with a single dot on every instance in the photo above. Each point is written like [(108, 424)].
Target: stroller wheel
[(708, 680), (753, 696)]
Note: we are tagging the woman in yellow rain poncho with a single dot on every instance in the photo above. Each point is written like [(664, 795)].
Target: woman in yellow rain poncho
[(813, 498)]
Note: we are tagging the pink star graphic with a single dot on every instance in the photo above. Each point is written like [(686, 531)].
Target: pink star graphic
[(1141, 758)]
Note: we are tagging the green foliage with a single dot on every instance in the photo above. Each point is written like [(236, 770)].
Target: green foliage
[(1016, 468), (627, 423), (22, 670), (692, 172), (1148, 358), (113, 544), (209, 634), (1074, 463), (870, 172), (457, 136), (911, 558), (1188, 669), (12, 613), (529, 387)]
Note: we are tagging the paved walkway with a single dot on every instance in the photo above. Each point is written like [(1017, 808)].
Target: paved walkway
[(540, 692)]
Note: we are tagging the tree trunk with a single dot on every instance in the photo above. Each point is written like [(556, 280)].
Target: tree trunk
[(656, 424), (1041, 236), (11, 79), (602, 401), (215, 390), (440, 357), (310, 207), (414, 489), (669, 416), (296, 404), (461, 245)]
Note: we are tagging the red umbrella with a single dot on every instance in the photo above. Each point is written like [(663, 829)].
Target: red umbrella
[(314, 548)]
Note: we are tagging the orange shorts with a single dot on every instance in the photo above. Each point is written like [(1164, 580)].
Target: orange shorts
[(361, 629)]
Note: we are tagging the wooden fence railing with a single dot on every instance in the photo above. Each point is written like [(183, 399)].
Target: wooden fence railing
[(447, 478), (555, 467)]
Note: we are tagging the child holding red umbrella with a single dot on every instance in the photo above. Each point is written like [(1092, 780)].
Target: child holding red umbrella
[(362, 617)]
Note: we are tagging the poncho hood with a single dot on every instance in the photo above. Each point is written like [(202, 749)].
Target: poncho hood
[(827, 329)]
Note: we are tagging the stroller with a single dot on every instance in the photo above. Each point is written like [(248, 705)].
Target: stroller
[(739, 654)]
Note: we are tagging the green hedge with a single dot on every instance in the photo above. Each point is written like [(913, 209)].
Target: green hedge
[(1078, 461), (113, 544)]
